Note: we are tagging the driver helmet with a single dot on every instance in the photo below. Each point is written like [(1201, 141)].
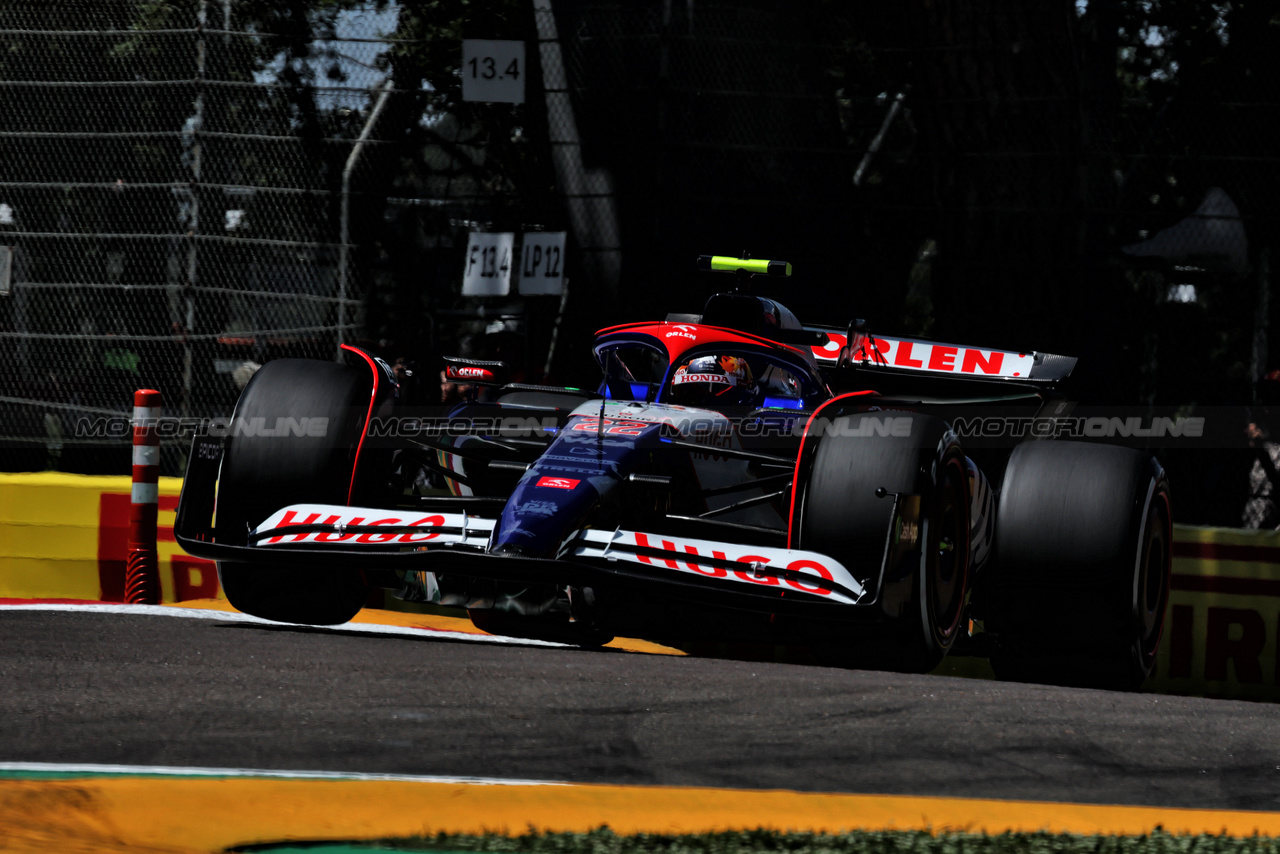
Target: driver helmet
[(714, 380)]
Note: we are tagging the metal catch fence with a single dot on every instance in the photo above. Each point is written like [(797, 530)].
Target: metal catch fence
[(191, 187), (175, 192)]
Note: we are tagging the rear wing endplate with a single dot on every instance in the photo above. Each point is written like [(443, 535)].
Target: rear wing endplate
[(476, 371)]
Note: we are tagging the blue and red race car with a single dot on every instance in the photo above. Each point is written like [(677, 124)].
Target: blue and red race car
[(736, 475)]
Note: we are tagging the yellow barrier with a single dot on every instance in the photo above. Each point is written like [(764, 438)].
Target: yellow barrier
[(1224, 615), (63, 536)]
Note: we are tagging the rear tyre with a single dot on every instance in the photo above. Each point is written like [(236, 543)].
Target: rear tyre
[(841, 515), (262, 473), (1080, 577)]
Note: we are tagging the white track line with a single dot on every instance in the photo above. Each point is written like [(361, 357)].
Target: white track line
[(237, 617), (182, 771)]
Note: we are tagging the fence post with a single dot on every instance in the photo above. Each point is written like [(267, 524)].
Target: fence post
[(142, 566)]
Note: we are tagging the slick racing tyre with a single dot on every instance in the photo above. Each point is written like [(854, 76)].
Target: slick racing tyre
[(841, 515), (262, 473), (1080, 578)]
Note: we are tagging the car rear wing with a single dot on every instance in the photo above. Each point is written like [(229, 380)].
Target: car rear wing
[(933, 359), (476, 371)]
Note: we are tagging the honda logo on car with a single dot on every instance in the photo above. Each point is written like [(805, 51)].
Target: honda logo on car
[(712, 379)]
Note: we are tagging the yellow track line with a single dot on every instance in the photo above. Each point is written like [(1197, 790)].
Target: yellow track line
[(118, 814), (179, 814)]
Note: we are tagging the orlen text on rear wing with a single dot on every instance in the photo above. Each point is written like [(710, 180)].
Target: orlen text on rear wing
[(934, 359)]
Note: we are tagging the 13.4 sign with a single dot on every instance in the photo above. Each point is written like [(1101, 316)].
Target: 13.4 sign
[(488, 270), (493, 70)]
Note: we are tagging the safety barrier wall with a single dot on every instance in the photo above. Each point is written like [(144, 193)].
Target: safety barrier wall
[(1224, 617), (64, 537)]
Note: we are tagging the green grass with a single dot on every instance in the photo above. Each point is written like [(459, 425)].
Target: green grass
[(605, 841)]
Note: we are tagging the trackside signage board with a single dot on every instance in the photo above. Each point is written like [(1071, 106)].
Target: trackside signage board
[(493, 70), (487, 272), (929, 356), (1222, 630), (65, 536), (542, 263), (492, 264)]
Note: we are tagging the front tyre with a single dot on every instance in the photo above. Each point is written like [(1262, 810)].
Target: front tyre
[(840, 514), (312, 597), (262, 472), (1080, 577)]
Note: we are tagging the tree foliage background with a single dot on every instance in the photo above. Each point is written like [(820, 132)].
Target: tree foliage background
[(1024, 175)]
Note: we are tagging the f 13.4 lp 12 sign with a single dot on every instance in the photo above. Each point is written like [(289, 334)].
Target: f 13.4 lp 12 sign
[(492, 263)]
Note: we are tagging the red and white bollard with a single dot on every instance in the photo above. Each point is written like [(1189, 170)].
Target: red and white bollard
[(142, 567)]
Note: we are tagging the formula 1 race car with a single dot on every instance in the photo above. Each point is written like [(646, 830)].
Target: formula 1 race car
[(736, 476)]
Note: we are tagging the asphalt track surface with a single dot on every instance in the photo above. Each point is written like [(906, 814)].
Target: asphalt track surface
[(149, 690)]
